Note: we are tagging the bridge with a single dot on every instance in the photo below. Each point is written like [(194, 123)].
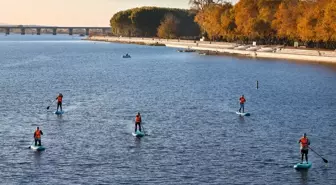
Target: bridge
[(53, 28)]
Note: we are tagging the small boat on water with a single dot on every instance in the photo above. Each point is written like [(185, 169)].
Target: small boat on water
[(81, 35), (126, 56)]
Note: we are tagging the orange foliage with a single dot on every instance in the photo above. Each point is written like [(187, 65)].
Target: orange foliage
[(285, 22), (262, 19), (326, 24), (210, 19)]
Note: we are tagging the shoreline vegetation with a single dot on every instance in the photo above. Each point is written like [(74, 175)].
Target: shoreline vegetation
[(307, 23), (227, 48), (302, 30)]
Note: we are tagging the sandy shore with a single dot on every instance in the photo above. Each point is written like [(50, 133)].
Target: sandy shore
[(207, 47)]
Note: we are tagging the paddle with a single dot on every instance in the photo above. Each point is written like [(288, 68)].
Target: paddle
[(325, 160), (32, 143), (143, 128), (50, 105)]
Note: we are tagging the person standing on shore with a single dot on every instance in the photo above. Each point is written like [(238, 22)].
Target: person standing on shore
[(242, 100), (59, 99), (304, 146)]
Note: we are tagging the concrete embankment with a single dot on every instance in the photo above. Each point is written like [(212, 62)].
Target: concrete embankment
[(275, 52)]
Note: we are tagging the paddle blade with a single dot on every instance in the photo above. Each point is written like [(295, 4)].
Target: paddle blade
[(325, 160)]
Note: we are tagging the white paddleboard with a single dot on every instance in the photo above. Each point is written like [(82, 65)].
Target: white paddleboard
[(37, 148), (243, 114), (138, 134)]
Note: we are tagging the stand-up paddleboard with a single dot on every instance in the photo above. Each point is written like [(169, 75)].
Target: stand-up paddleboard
[(243, 114), (37, 148), (59, 112), (303, 165), (138, 134)]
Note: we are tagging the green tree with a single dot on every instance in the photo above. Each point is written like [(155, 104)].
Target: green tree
[(145, 21)]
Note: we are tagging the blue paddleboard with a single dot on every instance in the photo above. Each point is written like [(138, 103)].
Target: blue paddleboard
[(243, 114), (303, 165), (138, 134), (59, 112)]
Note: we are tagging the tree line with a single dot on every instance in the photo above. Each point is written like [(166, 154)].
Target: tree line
[(154, 21), (310, 22)]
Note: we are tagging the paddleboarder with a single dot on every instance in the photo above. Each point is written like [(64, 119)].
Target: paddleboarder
[(242, 100), (59, 99), (37, 136), (137, 122), (304, 143)]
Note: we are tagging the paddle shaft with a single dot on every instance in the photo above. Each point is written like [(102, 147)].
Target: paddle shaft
[(32, 143), (50, 105), (143, 129), (325, 160)]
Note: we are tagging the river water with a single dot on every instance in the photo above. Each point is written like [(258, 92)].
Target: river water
[(187, 103)]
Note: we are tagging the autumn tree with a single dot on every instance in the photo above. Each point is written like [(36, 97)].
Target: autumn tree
[(285, 20), (307, 21), (211, 17), (326, 24), (200, 4), (246, 16), (266, 14), (169, 27), (228, 24)]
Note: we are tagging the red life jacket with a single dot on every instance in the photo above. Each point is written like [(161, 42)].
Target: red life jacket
[(137, 119), (59, 98), (304, 142), (37, 134)]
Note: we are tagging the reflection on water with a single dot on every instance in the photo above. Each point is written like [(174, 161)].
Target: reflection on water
[(37, 156), (137, 142), (241, 119), (303, 176)]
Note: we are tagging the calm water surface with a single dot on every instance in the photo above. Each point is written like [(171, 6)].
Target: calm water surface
[(188, 105)]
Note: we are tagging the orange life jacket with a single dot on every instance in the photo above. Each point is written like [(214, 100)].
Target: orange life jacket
[(304, 143), (37, 134), (137, 119), (59, 98), (242, 100)]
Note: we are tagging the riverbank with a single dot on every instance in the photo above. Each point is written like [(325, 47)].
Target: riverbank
[(207, 47)]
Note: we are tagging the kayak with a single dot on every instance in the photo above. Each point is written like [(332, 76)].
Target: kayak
[(37, 148), (243, 114), (138, 134), (59, 112), (303, 165)]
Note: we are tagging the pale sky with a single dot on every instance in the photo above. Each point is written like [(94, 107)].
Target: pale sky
[(72, 12)]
